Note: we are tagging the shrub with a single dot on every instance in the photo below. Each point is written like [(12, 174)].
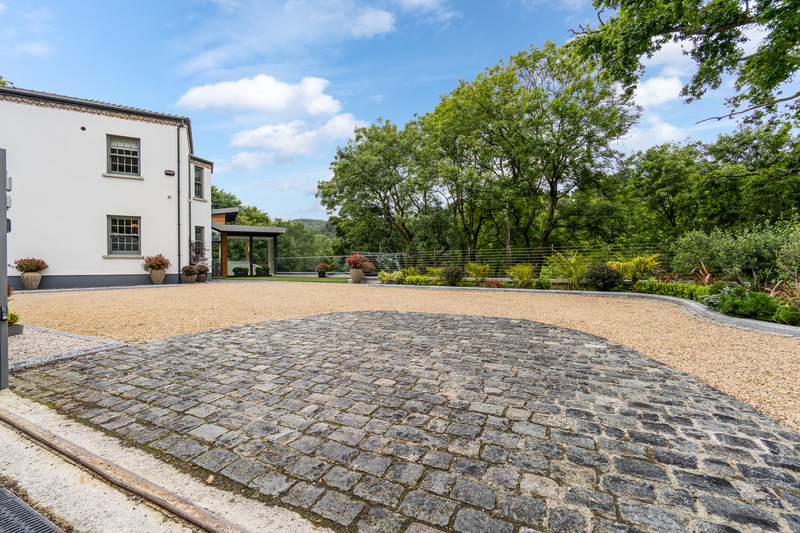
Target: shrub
[(633, 267), (435, 273), (452, 275), (262, 270), (602, 277), (202, 269), (322, 267), (240, 270), (418, 280), (385, 277), (358, 261), (787, 314), (13, 318), (493, 283), (477, 272), (30, 265), (155, 262), (747, 304), (542, 283), (572, 268), (521, 276), (189, 270), (690, 291), (410, 271)]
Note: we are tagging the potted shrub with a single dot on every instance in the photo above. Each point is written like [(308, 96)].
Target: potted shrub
[(189, 274), (202, 272), (322, 268), (30, 271), (157, 266), (358, 264), (240, 272), (263, 270)]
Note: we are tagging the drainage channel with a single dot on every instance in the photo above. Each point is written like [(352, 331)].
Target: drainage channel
[(16, 516), (117, 476)]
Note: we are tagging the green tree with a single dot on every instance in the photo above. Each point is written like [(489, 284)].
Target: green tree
[(717, 33), (220, 199), (548, 123), (372, 189), (665, 179)]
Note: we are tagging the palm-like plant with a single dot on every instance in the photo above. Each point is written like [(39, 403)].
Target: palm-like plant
[(633, 267), (477, 272), (572, 268), (521, 276)]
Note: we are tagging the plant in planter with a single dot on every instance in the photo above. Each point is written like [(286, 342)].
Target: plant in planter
[(157, 266), (358, 264), (189, 273), (321, 269), (262, 270), (14, 328), (30, 271), (240, 271), (202, 272)]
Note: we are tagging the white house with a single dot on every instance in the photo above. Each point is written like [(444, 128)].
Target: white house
[(98, 186)]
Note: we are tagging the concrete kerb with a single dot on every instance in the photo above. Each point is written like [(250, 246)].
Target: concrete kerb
[(103, 344), (694, 309)]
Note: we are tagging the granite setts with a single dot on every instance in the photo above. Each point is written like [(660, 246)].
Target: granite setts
[(389, 421)]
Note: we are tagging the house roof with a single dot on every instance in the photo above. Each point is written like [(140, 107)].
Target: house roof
[(264, 231), (7, 91)]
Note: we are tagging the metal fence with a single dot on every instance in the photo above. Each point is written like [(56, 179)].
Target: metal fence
[(498, 260)]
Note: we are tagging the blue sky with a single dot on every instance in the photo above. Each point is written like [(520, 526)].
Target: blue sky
[(274, 86)]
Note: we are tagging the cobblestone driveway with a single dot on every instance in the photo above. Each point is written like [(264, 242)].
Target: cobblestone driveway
[(387, 421)]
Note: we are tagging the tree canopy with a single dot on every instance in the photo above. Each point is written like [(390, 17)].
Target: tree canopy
[(491, 166), (716, 32)]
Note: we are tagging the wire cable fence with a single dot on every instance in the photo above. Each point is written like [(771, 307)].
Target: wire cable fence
[(498, 260)]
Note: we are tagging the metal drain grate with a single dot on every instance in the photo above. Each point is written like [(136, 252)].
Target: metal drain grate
[(17, 516)]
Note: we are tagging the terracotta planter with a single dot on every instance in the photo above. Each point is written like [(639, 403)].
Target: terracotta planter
[(356, 274), (157, 276), (201, 278), (31, 280), (189, 279)]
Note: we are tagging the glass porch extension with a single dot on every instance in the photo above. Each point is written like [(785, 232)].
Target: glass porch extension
[(235, 246)]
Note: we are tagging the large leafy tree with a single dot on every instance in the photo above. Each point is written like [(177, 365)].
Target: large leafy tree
[(548, 123), (379, 201), (717, 31)]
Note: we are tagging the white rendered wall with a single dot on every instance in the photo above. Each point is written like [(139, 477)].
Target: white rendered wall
[(62, 192)]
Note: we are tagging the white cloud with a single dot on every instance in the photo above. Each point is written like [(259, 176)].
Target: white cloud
[(243, 161), (437, 9), (26, 32), (372, 22), (656, 91), (263, 93), (672, 59), (283, 143), (256, 32), (658, 132)]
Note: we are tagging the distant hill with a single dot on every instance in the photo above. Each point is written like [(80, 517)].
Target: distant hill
[(318, 227)]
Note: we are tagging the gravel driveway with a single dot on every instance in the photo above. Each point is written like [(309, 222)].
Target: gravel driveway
[(760, 369)]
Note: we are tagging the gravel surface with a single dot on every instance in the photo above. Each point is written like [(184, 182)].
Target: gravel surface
[(35, 343), (760, 369)]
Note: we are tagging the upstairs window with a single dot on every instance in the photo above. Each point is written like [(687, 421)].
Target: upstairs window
[(198, 182), (123, 236), (123, 155)]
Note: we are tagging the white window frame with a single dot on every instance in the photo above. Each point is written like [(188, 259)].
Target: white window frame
[(124, 237), (122, 155), (201, 234), (199, 179)]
